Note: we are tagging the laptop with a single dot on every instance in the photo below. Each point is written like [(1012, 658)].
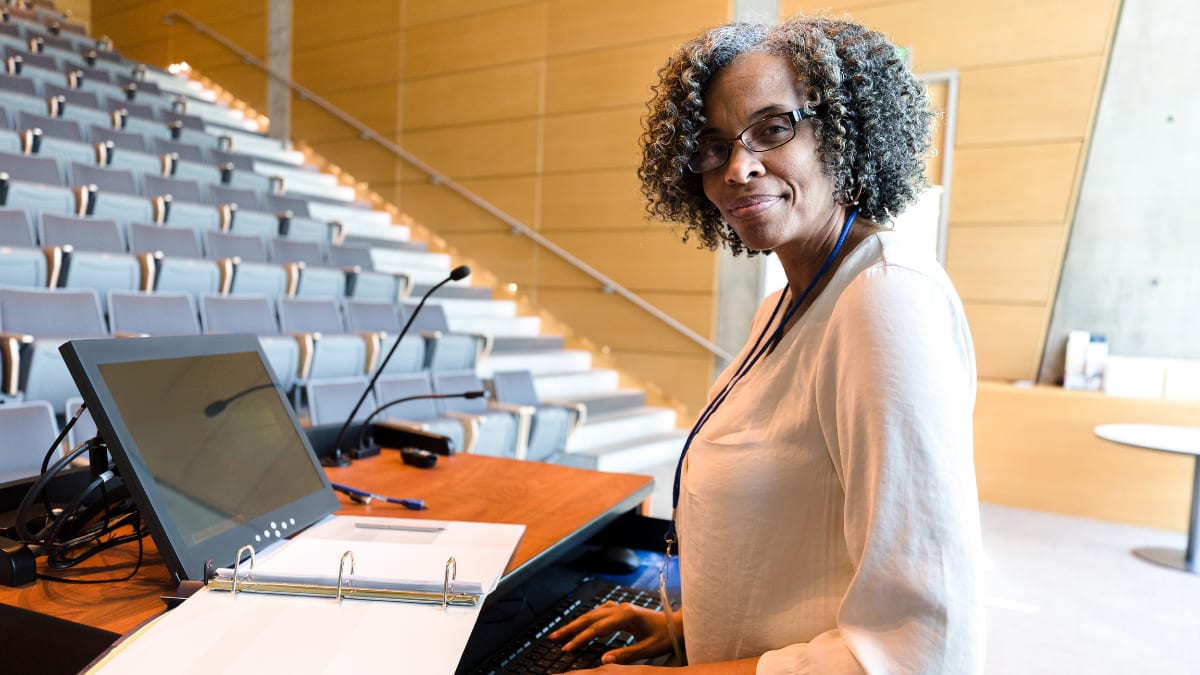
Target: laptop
[(205, 440)]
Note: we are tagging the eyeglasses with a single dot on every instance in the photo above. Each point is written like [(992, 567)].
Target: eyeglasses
[(763, 135)]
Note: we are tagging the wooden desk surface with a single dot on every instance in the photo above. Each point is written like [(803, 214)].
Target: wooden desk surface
[(553, 502)]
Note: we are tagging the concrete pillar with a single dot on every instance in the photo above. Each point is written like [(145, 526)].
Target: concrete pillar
[(279, 60)]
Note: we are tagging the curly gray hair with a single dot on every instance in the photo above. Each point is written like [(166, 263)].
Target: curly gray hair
[(872, 122)]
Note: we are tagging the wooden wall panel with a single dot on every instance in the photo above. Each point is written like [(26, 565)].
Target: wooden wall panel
[(602, 200), (485, 149), (1005, 262), (417, 12), (1007, 338), (584, 25), (610, 321), (948, 34), (1014, 183), (1052, 461), (649, 260), (136, 28), (484, 95), (330, 67), (317, 23), (690, 376), (437, 207), (588, 141), (364, 160), (599, 80), (478, 41), (1043, 101), (512, 259)]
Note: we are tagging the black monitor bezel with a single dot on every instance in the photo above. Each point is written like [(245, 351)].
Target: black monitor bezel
[(84, 358)]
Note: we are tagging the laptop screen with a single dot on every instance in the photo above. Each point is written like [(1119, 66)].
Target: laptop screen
[(207, 443)]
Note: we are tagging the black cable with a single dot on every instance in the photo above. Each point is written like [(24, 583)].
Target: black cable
[(96, 534)]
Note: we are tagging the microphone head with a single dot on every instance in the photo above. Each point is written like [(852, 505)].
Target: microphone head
[(460, 272), (215, 408), (475, 394)]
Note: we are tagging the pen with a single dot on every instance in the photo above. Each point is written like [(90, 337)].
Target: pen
[(364, 497), (401, 528)]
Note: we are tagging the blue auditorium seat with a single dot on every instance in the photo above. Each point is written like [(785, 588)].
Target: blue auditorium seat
[(34, 185), (26, 432), (84, 234), (171, 241), (256, 314), (256, 223), (551, 424), (159, 313), (423, 414), (447, 350), (15, 229), (336, 353), (381, 322), (499, 432), (330, 401), (39, 320)]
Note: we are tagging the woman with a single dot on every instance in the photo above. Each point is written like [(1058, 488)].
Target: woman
[(827, 518)]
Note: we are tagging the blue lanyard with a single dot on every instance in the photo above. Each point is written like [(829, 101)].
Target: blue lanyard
[(752, 357)]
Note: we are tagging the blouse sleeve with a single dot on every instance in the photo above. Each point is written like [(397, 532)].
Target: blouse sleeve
[(896, 389)]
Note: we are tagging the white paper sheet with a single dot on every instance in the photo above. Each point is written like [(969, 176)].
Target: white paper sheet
[(215, 632)]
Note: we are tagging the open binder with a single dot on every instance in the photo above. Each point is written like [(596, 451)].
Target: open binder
[(449, 592)]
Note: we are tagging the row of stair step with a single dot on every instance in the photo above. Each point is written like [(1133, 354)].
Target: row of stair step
[(621, 433)]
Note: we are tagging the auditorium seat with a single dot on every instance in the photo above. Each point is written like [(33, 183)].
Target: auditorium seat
[(26, 432), (171, 241), (251, 222), (330, 401), (159, 313), (34, 322), (15, 229), (423, 414), (190, 275), (34, 185), (290, 357), (551, 425), (28, 266), (381, 322), (446, 350), (84, 234), (121, 140), (101, 272), (336, 353), (499, 432)]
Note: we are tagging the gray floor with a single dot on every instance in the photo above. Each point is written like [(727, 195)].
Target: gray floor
[(1066, 595)]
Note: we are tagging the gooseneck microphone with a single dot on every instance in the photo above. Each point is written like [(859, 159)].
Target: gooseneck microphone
[(338, 458), (362, 434)]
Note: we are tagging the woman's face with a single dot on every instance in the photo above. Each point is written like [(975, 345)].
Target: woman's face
[(779, 199)]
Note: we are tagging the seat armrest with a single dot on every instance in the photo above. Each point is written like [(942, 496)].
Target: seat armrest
[(524, 415), (470, 427), (578, 409), (12, 347)]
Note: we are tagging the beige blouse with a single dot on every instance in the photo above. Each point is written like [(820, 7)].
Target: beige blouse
[(828, 514)]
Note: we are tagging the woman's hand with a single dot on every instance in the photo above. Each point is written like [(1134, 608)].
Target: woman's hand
[(648, 627)]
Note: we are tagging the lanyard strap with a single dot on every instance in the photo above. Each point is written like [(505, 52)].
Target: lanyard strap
[(752, 357)]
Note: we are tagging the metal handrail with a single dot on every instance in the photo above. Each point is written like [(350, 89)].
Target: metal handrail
[(438, 178)]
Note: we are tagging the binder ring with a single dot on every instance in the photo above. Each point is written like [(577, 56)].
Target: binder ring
[(341, 574), (451, 575), (237, 562)]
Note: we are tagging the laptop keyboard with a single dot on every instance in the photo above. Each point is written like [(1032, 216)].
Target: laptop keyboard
[(531, 652)]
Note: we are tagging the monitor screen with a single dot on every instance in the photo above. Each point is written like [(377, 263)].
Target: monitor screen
[(210, 449)]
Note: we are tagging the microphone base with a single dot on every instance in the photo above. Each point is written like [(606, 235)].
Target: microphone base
[(335, 460), (364, 452)]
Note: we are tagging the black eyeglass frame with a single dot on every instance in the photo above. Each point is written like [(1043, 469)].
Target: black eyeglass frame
[(794, 116)]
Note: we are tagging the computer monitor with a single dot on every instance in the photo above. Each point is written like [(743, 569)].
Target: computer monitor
[(205, 440)]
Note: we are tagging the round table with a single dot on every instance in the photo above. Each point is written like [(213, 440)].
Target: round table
[(1181, 440)]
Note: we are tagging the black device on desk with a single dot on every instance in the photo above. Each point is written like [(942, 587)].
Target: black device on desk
[(511, 633), (205, 440)]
